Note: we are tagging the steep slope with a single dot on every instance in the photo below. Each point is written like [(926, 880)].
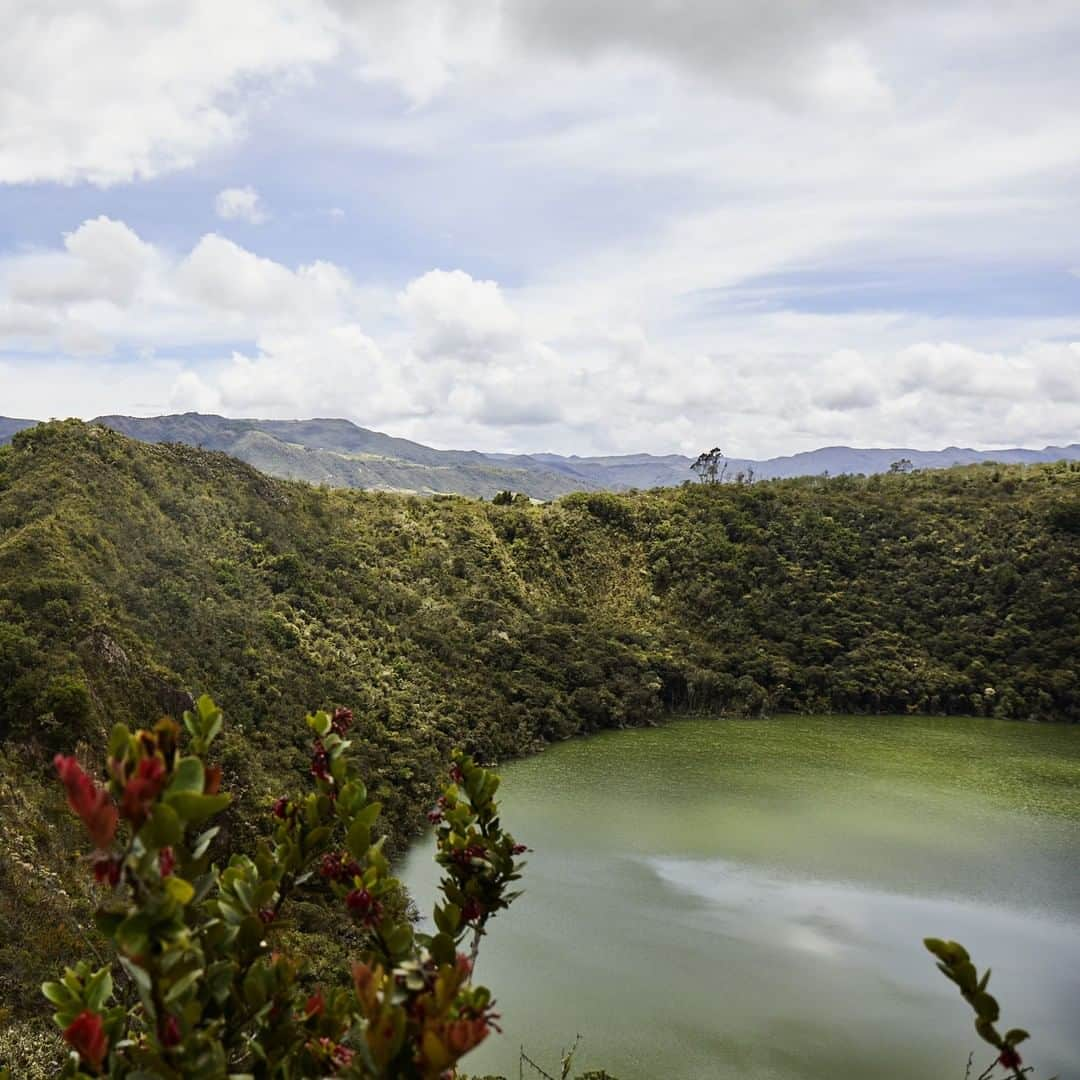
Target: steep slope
[(147, 542), (132, 575)]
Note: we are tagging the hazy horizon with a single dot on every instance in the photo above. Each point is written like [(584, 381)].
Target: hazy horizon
[(733, 454)]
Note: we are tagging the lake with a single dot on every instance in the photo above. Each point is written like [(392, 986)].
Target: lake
[(746, 898)]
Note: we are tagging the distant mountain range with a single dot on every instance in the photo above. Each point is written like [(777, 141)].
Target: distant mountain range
[(342, 454)]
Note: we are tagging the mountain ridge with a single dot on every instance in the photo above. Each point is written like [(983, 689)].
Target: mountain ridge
[(339, 453)]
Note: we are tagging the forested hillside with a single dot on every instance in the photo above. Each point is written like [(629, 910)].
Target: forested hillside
[(133, 574)]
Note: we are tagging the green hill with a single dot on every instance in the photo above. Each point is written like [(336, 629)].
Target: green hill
[(338, 453), (133, 574)]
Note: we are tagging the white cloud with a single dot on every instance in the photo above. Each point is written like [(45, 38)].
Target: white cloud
[(114, 91), (111, 91), (103, 259), (220, 274), (454, 361), (457, 315), (242, 204)]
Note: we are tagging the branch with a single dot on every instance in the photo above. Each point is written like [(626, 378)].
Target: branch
[(529, 1061)]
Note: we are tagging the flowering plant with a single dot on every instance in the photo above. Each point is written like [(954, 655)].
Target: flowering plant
[(203, 987), (954, 962)]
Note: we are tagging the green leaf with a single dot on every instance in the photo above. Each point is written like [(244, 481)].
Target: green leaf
[(133, 934), (141, 978), (207, 708), (59, 994), (180, 890), (119, 739), (189, 776), (192, 724), (202, 841), (315, 839), (193, 807), (99, 989), (219, 979), (203, 885), (352, 796), (400, 939), (1014, 1036), (163, 829), (443, 949), (212, 729), (448, 918), (319, 723), (965, 976), (358, 839), (177, 989), (243, 891)]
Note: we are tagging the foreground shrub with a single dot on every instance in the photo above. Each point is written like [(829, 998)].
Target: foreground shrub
[(955, 964), (203, 988)]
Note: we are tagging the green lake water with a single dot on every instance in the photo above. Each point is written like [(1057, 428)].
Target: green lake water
[(746, 898)]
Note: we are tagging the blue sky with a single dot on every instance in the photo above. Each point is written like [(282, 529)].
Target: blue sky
[(576, 226)]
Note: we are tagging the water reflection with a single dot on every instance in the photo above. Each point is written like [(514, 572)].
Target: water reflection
[(720, 899)]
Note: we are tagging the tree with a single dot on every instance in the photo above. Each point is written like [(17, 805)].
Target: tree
[(903, 465), (710, 466)]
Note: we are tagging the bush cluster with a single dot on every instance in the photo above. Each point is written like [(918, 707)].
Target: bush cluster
[(207, 988)]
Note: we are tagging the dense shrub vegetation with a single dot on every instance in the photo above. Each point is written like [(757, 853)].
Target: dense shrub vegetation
[(132, 574), (208, 987)]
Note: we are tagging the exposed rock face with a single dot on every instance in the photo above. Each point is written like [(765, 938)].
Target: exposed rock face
[(104, 648)]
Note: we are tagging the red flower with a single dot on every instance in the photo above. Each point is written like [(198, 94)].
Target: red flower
[(169, 1031), (341, 721), (142, 789), (314, 1006), (320, 762), (471, 910), (434, 816), (166, 861), (341, 1057), (519, 849), (464, 856), (86, 1035), (360, 902), (1009, 1058), (89, 801), (267, 915), (339, 867), (280, 807), (107, 868)]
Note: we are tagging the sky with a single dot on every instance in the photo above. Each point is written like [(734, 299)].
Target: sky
[(581, 226)]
